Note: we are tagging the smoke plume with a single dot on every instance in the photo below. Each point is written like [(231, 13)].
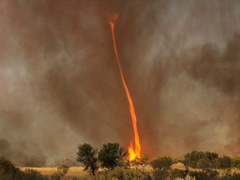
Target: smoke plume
[(60, 85)]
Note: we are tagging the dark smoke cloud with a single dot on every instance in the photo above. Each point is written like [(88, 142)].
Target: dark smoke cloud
[(219, 69), (60, 84), (21, 155)]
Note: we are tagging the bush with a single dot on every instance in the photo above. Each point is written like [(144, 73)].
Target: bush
[(199, 159), (61, 172), (206, 174), (56, 176), (135, 174), (162, 163), (160, 174), (236, 162), (231, 177), (203, 163), (31, 174), (63, 169), (8, 170), (140, 161), (177, 173), (223, 162), (120, 173)]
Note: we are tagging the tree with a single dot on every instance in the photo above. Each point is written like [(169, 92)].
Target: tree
[(111, 154), (8, 170), (199, 159), (87, 156), (6, 167), (236, 162), (223, 162)]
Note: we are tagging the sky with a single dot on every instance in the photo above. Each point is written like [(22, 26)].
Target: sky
[(60, 84)]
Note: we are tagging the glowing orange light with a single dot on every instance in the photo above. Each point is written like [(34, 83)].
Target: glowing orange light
[(134, 152)]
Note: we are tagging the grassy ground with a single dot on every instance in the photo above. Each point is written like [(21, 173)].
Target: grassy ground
[(78, 171), (73, 171)]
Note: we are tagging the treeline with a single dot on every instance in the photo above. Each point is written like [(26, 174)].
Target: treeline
[(111, 158), (201, 160), (9, 172), (162, 168)]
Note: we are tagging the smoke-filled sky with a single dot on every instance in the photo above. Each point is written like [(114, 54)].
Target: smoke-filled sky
[(60, 84)]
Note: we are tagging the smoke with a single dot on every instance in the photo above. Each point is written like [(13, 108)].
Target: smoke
[(60, 84)]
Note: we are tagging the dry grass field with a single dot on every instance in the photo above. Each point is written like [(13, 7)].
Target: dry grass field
[(48, 171), (78, 171)]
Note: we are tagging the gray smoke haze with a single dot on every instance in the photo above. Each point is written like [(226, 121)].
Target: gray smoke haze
[(60, 85)]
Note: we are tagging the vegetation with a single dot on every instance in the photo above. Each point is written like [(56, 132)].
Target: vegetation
[(31, 174), (61, 172), (9, 172), (223, 162), (122, 173), (140, 161), (111, 155), (236, 162), (199, 159), (198, 165), (205, 174), (87, 156), (162, 163)]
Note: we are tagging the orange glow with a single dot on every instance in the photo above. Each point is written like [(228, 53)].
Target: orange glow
[(136, 151)]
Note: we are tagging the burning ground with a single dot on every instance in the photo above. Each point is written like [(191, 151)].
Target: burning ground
[(60, 83)]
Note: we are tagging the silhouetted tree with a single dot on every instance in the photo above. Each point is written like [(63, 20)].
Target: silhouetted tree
[(87, 156), (111, 154)]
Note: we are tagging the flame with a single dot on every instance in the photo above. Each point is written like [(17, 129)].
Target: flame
[(135, 152)]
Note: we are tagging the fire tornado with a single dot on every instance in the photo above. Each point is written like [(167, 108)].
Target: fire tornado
[(134, 152)]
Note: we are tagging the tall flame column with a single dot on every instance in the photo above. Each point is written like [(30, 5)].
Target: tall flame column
[(136, 151)]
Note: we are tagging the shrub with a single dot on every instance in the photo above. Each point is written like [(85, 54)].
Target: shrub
[(206, 174), (162, 163), (120, 173), (160, 174), (177, 173), (6, 167), (8, 170), (235, 176), (223, 162), (140, 161), (203, 163), (135, 174), (31, 174), (63, 169), (61, 172), (236, 162), (56, 176), (199, 159)]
